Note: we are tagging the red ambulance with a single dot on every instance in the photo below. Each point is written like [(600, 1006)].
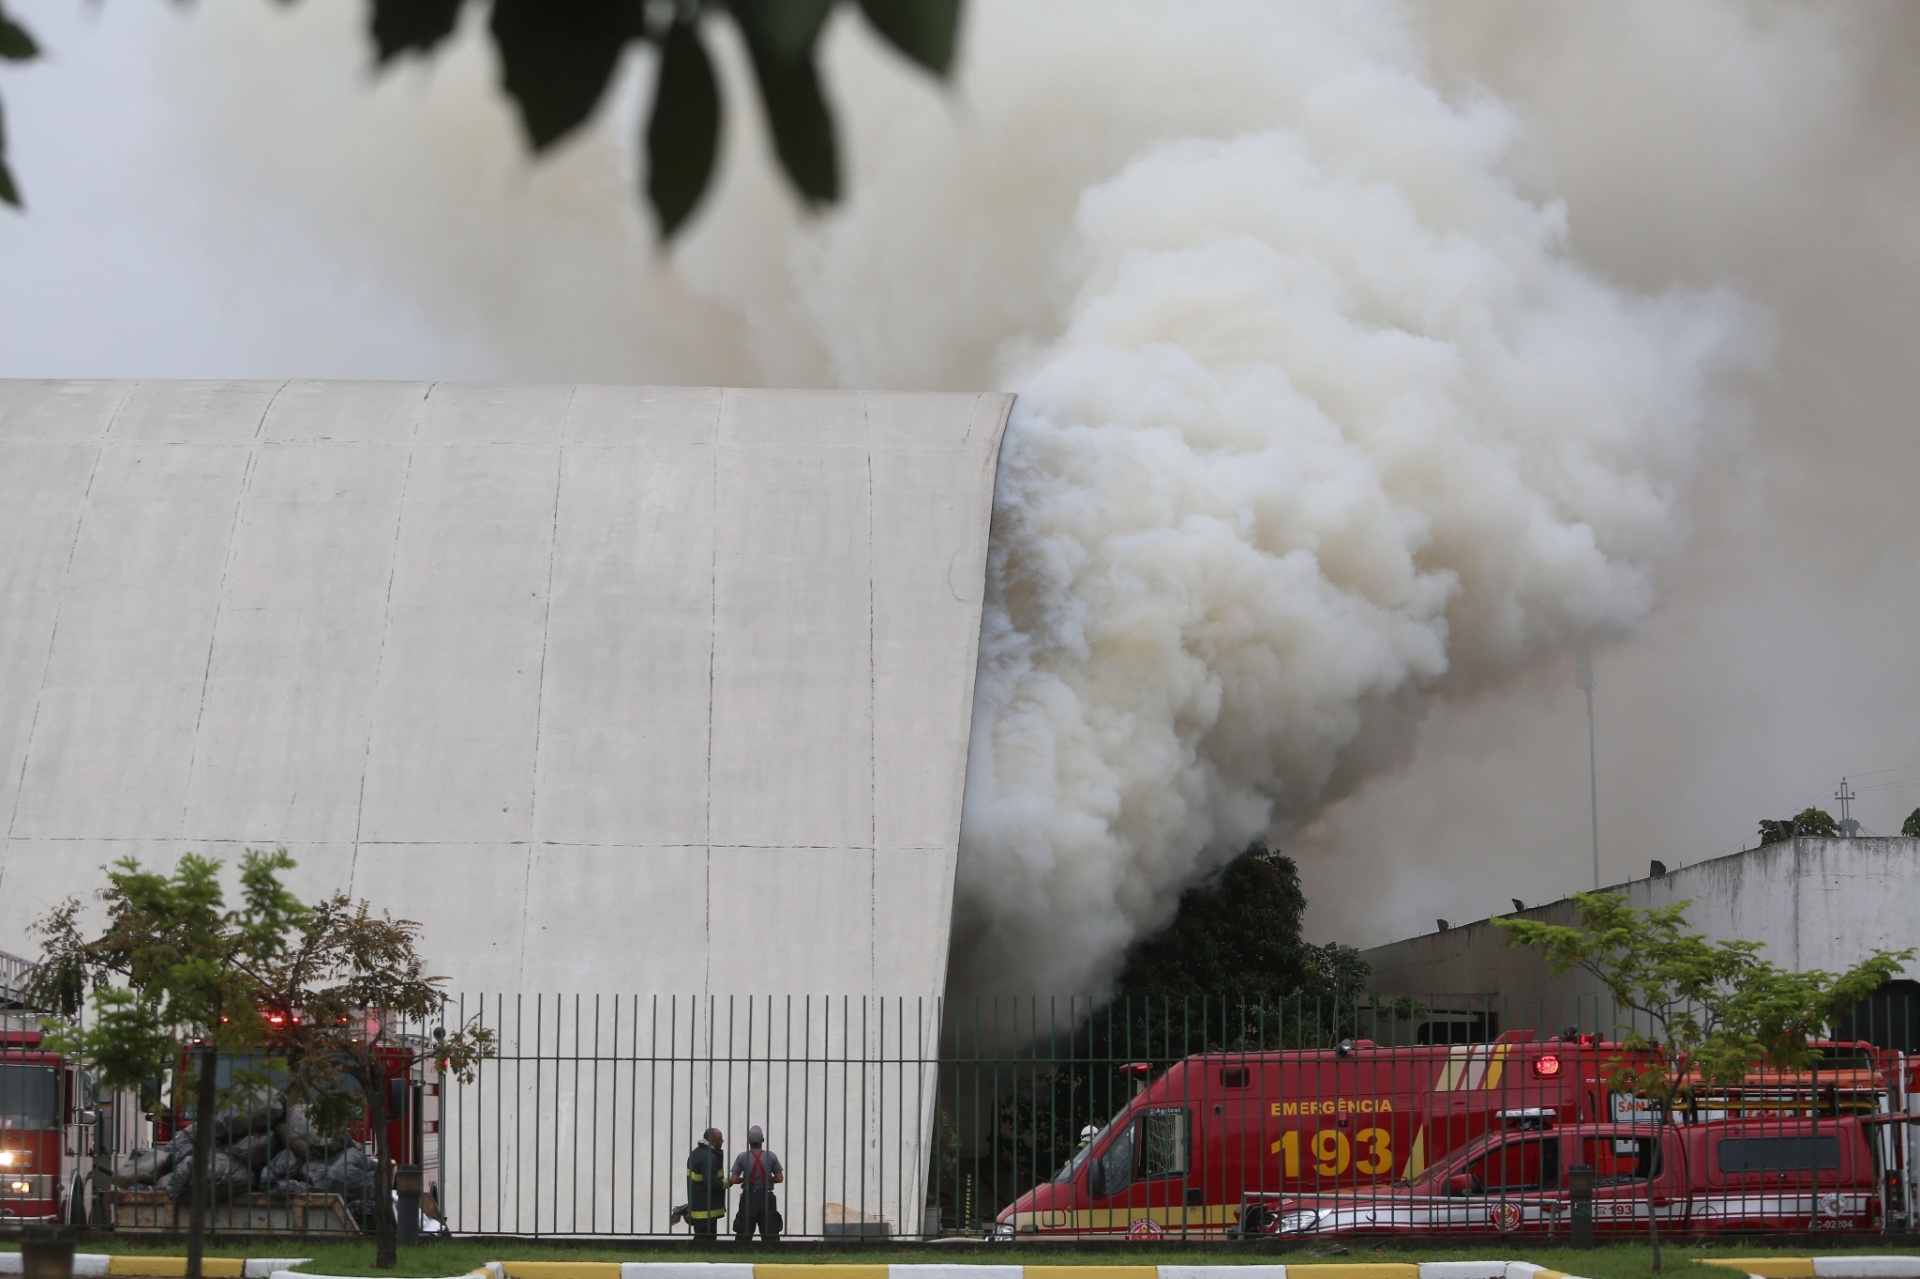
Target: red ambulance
[(1217, 1133), (1735, 1176)]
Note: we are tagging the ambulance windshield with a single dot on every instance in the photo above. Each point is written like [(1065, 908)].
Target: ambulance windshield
[(1072, 1167)]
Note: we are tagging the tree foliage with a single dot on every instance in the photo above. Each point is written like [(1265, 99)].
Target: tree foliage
[(348, 986), (321, 990), (557, 59), (1911, 827), (1717, 1009), (1807, 823), (174, 966), (1240, 935)]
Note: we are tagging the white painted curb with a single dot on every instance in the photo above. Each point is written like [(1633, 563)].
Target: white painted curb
[(1867, 1267), (1463, 1270), (686, 1270)]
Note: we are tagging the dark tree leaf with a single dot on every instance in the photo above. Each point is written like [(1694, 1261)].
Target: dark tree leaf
[(556, 58), (784, 29), (924, 30), (801, 123), (684, 132), (411, 26), (15, 44), (9, 193)]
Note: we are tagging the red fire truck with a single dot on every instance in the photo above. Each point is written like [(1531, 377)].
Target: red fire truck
[(412, 1103), (1217, 1132), (1718, 1176), (46, 1132)]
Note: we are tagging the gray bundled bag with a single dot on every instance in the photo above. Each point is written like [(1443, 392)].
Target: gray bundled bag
[(228, 1177), (231, 1125), (298, 1134), (142, 1168), (349, 1175), (254, 1151), (289, 1173)]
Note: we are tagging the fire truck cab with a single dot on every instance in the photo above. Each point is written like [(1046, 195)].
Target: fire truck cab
[(46, 1133)]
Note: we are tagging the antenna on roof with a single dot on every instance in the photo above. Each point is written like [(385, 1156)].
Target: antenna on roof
[(1583, 680)]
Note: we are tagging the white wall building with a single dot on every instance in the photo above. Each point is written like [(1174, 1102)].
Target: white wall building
[(1812, 903), (615, 690)]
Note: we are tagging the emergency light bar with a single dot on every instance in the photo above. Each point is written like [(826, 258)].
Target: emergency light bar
[(1531, 1117)]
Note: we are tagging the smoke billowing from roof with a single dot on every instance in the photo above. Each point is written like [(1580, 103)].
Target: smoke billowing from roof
[(1336, 422), (1333, 415)]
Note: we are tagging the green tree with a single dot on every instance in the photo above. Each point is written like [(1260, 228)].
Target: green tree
[(1230, 973), (349, 985), (174, 968), (1807, 823), (1717, 1010), (1911, 827), (557, 59), (1241, 933)]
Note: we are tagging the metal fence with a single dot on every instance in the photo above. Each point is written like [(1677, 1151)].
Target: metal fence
[(1173, 1116), (917, 1117)]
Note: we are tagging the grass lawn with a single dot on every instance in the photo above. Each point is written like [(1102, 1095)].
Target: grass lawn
[(432, 1261)]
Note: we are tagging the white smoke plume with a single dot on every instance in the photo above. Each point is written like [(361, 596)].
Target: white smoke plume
[(1322, 418), (1336, 421)]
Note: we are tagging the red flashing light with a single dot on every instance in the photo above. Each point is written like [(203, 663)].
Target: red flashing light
[(1546, 1066)]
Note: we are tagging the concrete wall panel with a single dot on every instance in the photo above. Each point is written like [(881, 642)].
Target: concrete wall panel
[(612, 689), (36, 542), (458, 709), (119, 706), (623, 742)]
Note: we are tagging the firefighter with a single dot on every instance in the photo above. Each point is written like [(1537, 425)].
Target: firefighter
[(757, 1170), (706, 1186)]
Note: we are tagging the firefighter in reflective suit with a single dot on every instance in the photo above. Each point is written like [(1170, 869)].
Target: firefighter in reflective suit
[(707, 1186)]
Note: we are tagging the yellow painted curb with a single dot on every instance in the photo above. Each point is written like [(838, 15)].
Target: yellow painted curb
[(561, 1269), (169, 1267), (1544, 1273), (1360, 1270), (789, 1270), (1765, 1267)]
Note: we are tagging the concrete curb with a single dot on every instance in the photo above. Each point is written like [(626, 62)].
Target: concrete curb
[(1820, 1267), (94, 1265), (98, 1265)]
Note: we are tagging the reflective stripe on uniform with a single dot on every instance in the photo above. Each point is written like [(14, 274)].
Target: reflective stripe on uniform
[(704, 1213), (696, 1176)]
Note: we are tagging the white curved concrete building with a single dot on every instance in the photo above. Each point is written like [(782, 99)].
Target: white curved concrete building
[(613, 689)]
